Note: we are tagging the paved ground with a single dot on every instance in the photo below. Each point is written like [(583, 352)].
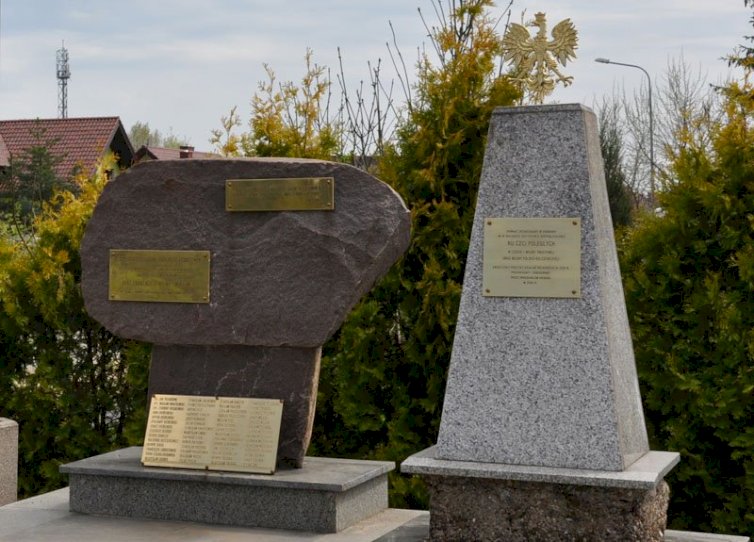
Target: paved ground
[(46, 518)]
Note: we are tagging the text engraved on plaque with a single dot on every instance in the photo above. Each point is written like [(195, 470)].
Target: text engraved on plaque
[(296, 194), (532, 257), (172, 276), (213, 433)]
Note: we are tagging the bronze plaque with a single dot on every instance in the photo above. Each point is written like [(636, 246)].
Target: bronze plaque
[(301, 194), (532, 257), (173, 276), (234, 434)]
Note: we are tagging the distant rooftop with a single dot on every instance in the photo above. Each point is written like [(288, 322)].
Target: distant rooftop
[(163, 153), (81, 142)]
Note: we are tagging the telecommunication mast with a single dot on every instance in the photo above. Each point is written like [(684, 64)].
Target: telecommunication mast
[(64, 73)]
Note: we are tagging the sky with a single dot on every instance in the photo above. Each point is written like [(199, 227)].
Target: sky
[(180, 65)]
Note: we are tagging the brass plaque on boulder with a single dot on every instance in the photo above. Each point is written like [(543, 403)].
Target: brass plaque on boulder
[(532, 257), (172, 276), (300, 194), (234, 434)]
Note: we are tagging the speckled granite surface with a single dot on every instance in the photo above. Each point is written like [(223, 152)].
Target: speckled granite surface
[(543, 381), (325, 495), (8, 460)]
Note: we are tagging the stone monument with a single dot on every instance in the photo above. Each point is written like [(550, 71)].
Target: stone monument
[(8, 461), (266, 259), (542, 434)]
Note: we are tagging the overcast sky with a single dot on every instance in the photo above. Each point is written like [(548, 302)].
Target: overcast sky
[(181, 64)]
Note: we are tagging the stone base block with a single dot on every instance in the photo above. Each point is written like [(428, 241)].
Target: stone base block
[(8, 461), (488, 501), (325, 495), (478, 509), (288, 374)]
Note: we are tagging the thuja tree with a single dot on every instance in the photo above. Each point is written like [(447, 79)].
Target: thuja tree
[(72, 386), (30, 181), (611, 146), (689, 283), (383, 375)]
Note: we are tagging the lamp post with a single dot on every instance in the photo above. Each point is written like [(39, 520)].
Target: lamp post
[(651, 120)]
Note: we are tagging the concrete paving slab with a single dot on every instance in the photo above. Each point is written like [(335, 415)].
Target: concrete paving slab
[(47, 519)]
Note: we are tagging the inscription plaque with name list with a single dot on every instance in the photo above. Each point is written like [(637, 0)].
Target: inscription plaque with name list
[(234, 434)]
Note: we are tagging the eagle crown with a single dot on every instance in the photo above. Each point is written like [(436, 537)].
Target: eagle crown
[(539, 21)]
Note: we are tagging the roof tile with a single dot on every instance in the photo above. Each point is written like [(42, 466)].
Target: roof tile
[(79, 141)]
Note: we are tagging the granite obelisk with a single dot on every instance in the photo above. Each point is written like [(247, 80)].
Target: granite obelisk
[(542, 427)]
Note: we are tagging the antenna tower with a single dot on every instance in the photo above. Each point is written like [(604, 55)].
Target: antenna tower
[(64, 73)]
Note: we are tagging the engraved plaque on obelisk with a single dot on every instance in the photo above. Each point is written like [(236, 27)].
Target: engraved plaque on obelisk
[(532, 257)]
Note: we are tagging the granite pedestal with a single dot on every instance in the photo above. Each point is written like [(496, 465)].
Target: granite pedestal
[(492, 501), (8, 461), (325, 495), (542, 426)]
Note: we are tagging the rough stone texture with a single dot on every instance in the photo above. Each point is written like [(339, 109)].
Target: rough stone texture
[(644, 473), (290, 374), (277, 278), (8, 461), (535, 381), (280, 282), (465, 509), (326, 495)]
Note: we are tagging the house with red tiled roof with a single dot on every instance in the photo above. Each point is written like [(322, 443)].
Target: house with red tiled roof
[(165, 153), (79, 142)]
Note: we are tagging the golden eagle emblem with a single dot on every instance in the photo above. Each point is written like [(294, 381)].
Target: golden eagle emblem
[(535, 59)]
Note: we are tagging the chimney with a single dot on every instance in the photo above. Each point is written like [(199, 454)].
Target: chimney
[(187, 151)]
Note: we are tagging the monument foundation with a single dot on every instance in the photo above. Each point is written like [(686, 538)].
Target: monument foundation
[(491, 501), (324, 495), (542, 434), (237, 271)]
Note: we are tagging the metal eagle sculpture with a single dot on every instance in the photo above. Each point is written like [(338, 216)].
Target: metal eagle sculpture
[(535, 59)]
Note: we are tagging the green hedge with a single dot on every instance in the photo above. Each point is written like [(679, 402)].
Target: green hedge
[(689, 283)]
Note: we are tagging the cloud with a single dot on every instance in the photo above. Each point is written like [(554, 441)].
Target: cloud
[(183, 63)]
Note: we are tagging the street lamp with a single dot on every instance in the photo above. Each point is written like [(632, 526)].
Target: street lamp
[(651, 120)]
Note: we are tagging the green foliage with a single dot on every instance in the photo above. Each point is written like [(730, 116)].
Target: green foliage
[(74, 388), (383, 374), (744, 54), (225, 140), (286, 119), (689, 284), (30, 181), (141, 134), (611, 146), (173, 141)]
